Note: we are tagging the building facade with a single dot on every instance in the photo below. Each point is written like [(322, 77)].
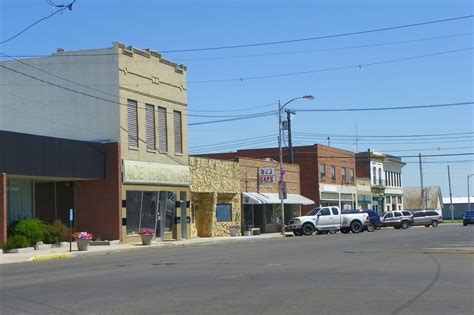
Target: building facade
[(384, 174), (327, 174), (122, 95), (215, 197)]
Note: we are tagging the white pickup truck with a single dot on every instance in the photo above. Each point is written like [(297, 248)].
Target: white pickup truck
[(328, 219)]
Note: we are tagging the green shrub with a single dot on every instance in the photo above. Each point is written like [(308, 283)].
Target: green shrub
[(56, 232), (16, 241), (32, 229)]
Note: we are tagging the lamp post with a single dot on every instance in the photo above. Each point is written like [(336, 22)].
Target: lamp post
[(282, 172), (468, 193)]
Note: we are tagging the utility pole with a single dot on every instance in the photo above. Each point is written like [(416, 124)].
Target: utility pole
[(421, 180), (329, 141), (451, 207), (290, 142)]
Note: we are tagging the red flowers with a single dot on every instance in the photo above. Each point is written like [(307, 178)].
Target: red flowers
[(83, 235), (146, 232)]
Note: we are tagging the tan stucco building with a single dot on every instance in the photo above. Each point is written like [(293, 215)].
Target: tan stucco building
[(215, 197)]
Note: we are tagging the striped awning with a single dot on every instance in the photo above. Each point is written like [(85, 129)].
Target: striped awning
[(274, 198)]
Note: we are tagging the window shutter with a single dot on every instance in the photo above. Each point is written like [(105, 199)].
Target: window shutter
[(132, 124), (178, 137), (162, 130), (150, 127)]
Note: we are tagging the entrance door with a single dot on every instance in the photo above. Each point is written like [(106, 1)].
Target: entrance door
[(258, 217)]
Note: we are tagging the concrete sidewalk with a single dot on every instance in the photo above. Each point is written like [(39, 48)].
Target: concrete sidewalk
[(64, 253)]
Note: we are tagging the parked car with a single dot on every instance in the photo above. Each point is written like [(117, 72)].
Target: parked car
[(397, 219), (374, 219), (427, 218), (328, 219), (468, 217)]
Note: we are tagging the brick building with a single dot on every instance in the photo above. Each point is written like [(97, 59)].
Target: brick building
[(327, 174)]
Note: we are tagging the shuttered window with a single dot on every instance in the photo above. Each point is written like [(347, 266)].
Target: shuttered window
[(150, 127), (132, 124), (162, 130), (178, 134)]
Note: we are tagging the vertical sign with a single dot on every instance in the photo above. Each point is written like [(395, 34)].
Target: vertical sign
[(71, 218)]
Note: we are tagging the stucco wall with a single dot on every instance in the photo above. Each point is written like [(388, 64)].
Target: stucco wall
[(210, 175), (35, 107), (214, 182)]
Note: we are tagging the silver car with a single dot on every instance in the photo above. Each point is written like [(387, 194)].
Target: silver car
[(427, 218)]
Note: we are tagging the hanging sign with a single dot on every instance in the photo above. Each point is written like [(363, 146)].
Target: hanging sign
[(266, 175)]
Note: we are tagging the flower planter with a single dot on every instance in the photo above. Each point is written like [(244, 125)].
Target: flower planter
[(146, 239), (83, 244)]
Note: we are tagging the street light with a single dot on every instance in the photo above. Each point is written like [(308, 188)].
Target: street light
[(282, 172), (468, 193)]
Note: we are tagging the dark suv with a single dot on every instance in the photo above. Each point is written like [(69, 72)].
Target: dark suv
[(374, 219), (468, 217), (398, 219), (427, 218)]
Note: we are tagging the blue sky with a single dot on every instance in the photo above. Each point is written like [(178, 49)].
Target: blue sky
[(172, 25)]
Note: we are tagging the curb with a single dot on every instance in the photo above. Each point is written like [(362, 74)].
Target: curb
[(51, 257), (154, 246)]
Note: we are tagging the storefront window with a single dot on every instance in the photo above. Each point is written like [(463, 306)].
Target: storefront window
[(20, 200), (278, 214), (269, 215), (248, 215), (224, 213), (170, 208), (141, 210)]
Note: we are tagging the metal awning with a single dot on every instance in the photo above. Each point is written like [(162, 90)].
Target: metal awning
[(273, 198)]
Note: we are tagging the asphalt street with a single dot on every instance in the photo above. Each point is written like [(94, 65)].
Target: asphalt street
[(415, 271)]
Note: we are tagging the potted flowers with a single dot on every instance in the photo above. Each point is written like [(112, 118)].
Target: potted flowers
[(83, 239), (146, 235)]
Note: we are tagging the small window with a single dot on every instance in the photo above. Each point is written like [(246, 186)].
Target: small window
[(335, 210), (325, 211), (351, 174), (322, 170), (150, 127), (333, 172), (224, 213), (132, 109), (178, 133), (397, 214), (162, 130), (343, 174)]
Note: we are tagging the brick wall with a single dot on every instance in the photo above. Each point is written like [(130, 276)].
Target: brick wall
[(98, 203), (3, 208)]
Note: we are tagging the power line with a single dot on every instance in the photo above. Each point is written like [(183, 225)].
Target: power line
[(356, 66), (235, 117), (384, 136), (385, 108), (241, 56), (320, 37), (232, 110), (324, 49), (68, 6)]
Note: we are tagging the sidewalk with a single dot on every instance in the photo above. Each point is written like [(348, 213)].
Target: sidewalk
[(63, 252)]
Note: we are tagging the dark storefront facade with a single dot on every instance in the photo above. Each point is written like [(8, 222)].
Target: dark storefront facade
[(44, 177)]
